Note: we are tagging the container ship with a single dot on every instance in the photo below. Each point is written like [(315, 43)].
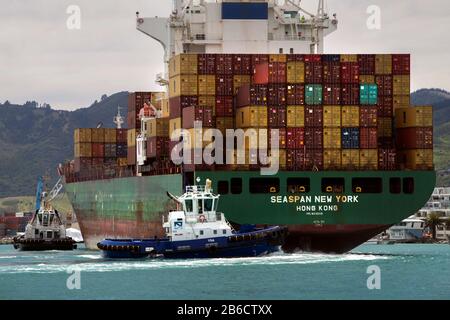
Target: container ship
[(354, 157)]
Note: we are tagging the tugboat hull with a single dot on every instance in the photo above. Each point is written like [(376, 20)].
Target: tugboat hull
[(44, 245), (251, 244)]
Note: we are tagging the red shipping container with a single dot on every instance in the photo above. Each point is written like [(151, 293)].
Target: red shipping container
[(386, 142), (276, 94), (350, 94), (251, 95), (332, 72), (368, 116), (314, 116), (242, 64), (312, 58), (131, 156), (385, 85), (313, 73), (276, 117), (224, 106), (121, 135), (401, 64), (277, 72), (224, 64), (368, 138), (332, 94), (350, 72), (414, 138), (387, 159), (203, 114), (98, 150), (314, 138), (282, 134), (82, 164), (295, 94), (224, 85), (313, 159), (177, 104), (206, 64), (97, 162), (385, 106), (158, 147), (298, 137), (366, 64), (258, 59), (261, 73), (136, 101), (295, 159)]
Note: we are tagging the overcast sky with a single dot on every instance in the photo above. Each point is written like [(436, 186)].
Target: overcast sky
[(40, 59)]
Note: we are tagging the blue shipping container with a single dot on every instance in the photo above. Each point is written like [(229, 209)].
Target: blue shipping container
[(350, 138), (331, 58), (245, 11)]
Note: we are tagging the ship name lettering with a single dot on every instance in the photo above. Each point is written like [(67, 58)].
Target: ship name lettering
[(347, 199), (323, 199)]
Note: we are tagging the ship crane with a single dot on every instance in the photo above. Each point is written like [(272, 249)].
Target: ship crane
[(118, 119)]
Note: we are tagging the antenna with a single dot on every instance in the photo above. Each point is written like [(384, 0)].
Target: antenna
[(118, 119)]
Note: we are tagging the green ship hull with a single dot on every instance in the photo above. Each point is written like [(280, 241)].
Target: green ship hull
[(319, 219)]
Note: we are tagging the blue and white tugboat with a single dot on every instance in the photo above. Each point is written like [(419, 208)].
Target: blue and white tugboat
[(198, 231)]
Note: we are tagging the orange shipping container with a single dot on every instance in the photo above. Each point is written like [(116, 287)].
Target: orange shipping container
[(207, 85), (414, 117), (368, 159), (401, 101), (110, 136), (366, 79), (295, 72), (83, 150), (332, 138), (350, 116), (402, 85), (419, 159), (239, 81), (383, 64), (332, 116), (158, 127), (349, 58), (332, 159), (82, 135), (295, 116), (183, 85), (350, 159), (98, 135), (183, 64), (253, 116), (277, 58), (131, 137)]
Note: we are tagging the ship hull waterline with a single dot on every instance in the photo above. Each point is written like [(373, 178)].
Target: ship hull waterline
[(317, 221)]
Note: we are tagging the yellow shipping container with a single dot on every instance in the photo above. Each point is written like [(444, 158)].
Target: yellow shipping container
[(366, 79), (332, 159), (350, 116), (122, 162), (332, 138), (82, 135), (253, 116), (384, 127), (277, 58), (165, 108), (194, 140), (419, 159), (208, 101), (295, 116), (98, 135), (207, 85), (368, 159), (239, 81), (350, 159), (183, 85), (332, 116), (131, 137), (401, 101), (110, 135), (83, 150), (383, 64), (295, 72), (158, 127), (402, 85), (174, 124), (414, 117), (281, 158), (183, 64), (255, 138), (349, 58)]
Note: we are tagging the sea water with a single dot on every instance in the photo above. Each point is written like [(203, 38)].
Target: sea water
[(409, 271)]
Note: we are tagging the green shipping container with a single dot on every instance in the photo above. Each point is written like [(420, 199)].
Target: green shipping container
[(313, 94), (368, 94)]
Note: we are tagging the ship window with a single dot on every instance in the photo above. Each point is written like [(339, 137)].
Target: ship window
[(395, 185), (367, 185), (201, 232), (51, 219), (333, 185), (208, 205), (222, 187), (264, 185), (200, 205), (36, 231), (298, 185), (281, 50), (40, 218), (236, 185), (188, 204), (215, 231), (292, 50), (408, 185), (45, 224), (49, 234), (224, 231)]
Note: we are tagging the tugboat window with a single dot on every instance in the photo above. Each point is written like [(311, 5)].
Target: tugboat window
[(298, 185), (49, 234), (36, 231), (188, 205), (208, 205), (200, 206), (264, 185), (367, 185), (51, 218), (395, 185), (333, 185), (236, 185), (222, 187), (408, 185), (40, 218), (201, 232), (45, 220)]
